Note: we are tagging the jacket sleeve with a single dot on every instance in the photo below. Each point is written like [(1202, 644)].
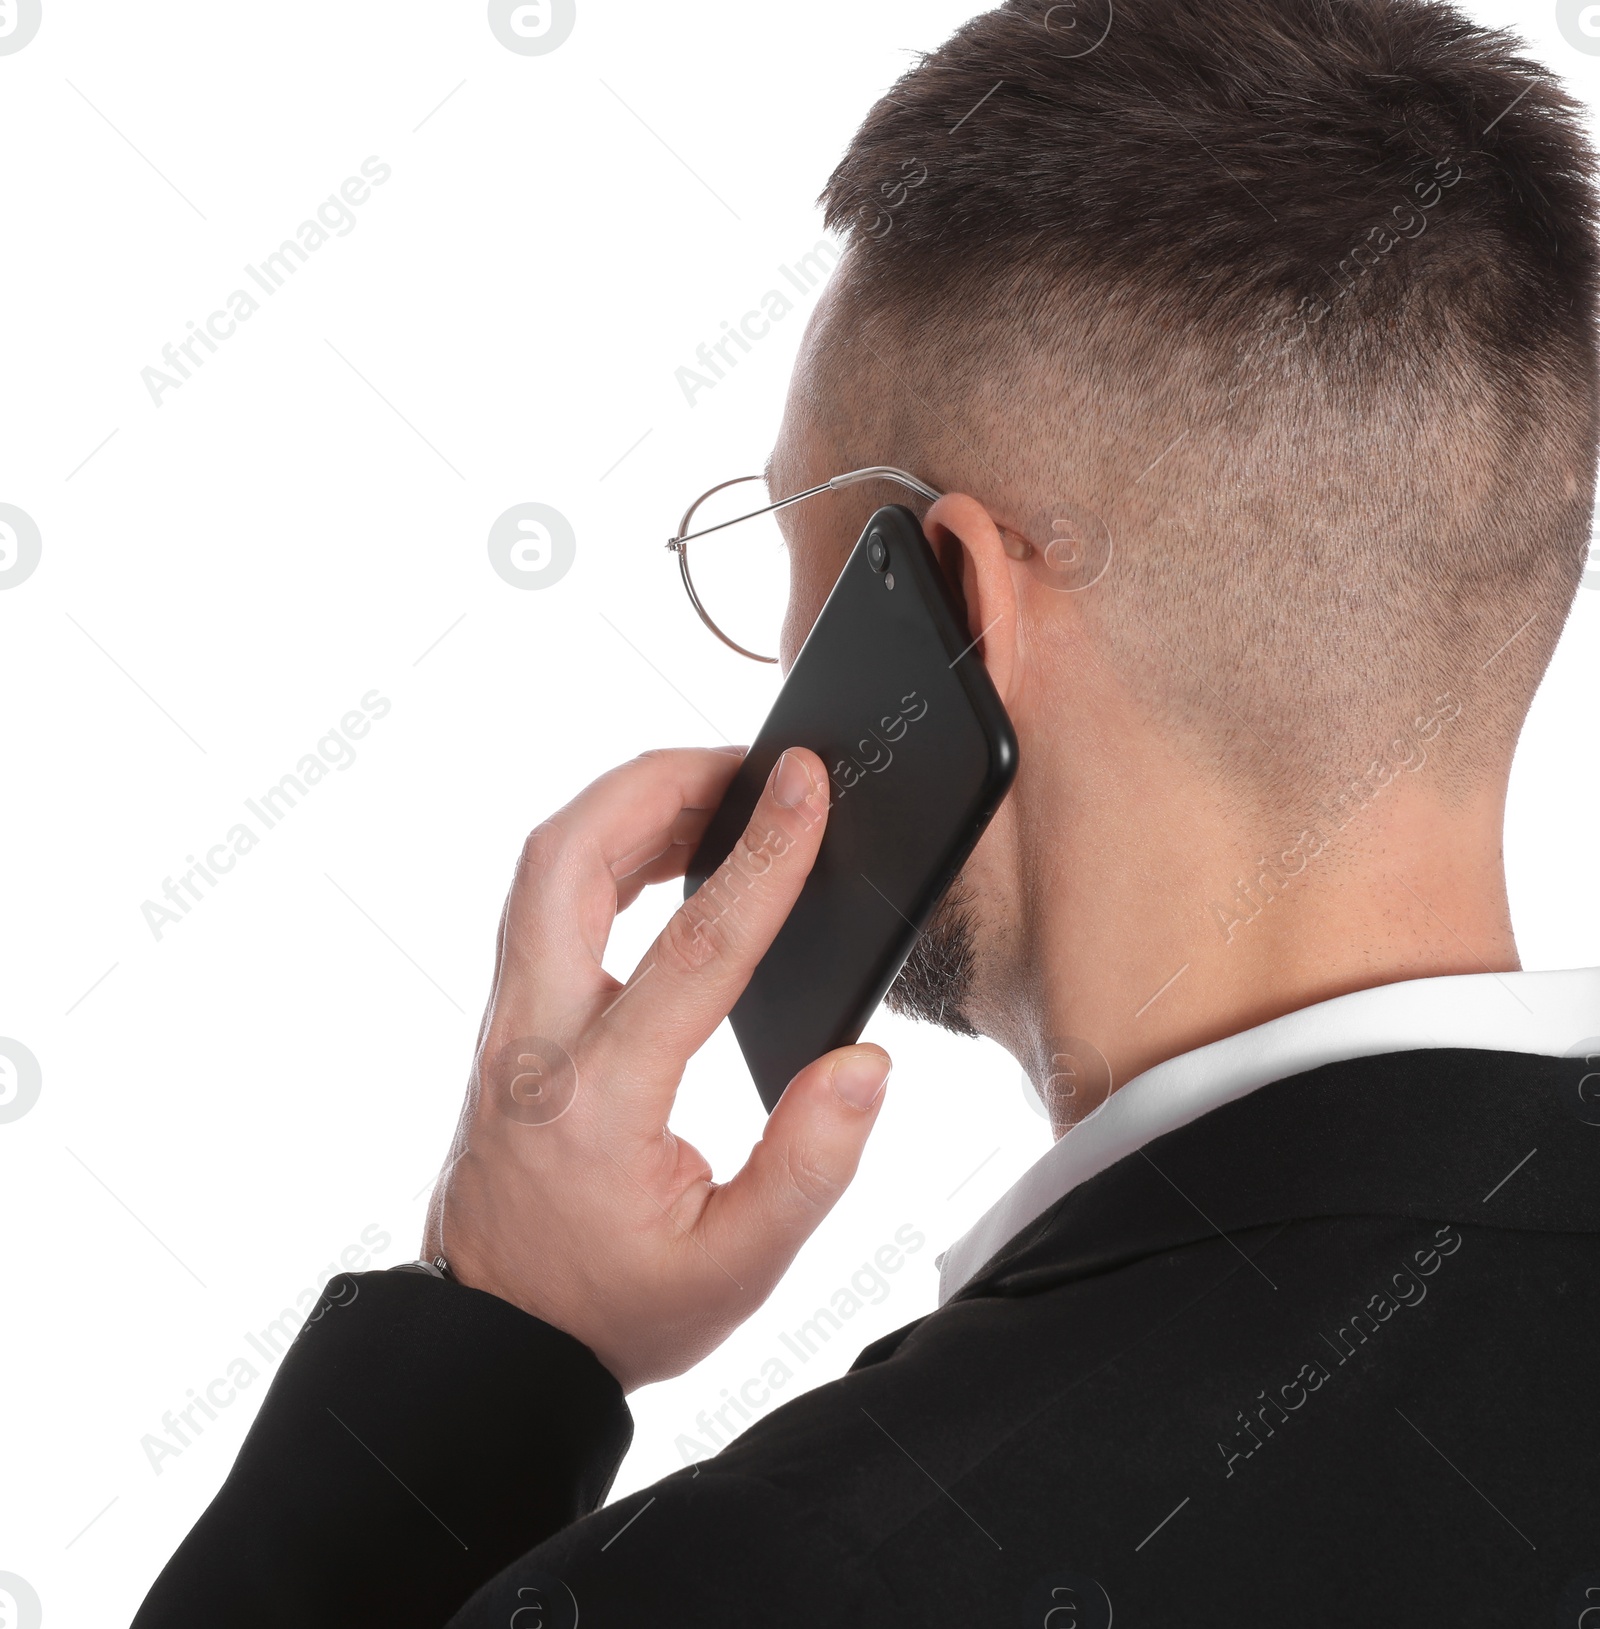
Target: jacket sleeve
[(418, 1437)]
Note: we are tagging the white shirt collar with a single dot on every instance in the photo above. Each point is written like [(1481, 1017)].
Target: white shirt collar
[(1544, 1013)]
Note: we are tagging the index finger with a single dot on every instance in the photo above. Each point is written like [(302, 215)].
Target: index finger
[(564, 893), (701, 961)]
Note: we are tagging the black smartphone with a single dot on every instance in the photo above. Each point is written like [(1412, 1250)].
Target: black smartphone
[(890, 693)]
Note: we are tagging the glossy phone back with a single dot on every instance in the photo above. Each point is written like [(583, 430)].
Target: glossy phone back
[(889, 691)]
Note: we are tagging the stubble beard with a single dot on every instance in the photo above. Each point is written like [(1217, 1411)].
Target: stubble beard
[(936, 983)]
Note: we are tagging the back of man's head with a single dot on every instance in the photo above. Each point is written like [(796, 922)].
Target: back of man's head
[(1290, 303)]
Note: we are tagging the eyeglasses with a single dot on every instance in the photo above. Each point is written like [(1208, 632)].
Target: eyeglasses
[(739, 585)]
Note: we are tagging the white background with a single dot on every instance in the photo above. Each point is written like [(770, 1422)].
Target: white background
[(226, 1109)]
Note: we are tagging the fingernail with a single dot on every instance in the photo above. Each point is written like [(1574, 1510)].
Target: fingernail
[(859, 1078), (791, 782)]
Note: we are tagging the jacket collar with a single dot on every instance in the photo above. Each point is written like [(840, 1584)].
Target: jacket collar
[(1487, 1139), (1551, 1015)]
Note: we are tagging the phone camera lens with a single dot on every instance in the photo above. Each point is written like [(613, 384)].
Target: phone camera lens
[(878, 553)]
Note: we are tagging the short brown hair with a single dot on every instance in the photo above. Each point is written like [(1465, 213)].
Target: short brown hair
[(1299, 295)]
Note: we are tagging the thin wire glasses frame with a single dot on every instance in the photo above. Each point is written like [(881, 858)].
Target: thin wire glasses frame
[(679, 545)]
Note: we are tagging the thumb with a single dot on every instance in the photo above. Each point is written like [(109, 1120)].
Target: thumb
[(805, 1160)]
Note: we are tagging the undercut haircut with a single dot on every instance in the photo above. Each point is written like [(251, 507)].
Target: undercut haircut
[(1295, 299)]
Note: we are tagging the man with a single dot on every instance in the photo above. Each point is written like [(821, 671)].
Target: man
[(1254, 348)]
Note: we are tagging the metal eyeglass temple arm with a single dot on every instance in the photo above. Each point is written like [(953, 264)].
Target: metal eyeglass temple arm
[(877, 472)]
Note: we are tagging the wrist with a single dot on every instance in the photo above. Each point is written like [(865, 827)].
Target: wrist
[(435, 1267)]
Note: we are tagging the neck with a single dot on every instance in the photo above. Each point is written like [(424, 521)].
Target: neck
[(1157, 928)]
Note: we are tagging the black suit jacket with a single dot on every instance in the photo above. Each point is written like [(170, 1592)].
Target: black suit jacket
[(1328, 1355)]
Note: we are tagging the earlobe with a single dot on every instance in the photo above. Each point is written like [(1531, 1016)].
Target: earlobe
[(979, 559)]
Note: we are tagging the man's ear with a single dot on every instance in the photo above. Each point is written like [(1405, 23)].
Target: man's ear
[(973, 553)]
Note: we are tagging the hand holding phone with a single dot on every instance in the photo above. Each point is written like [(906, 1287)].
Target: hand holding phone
[(566, 1191)]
